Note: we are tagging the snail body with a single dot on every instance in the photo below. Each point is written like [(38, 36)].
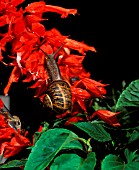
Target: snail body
[(58, 97)]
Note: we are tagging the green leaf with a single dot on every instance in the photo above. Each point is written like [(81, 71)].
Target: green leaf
[(49, 145), (74, 162), (94, 130), (134, 136), (90, 162), (113, 162), (14, 164), (130, 156), (130, 96)]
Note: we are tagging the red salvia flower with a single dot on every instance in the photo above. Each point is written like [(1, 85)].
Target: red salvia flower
[(72, 120), (95, 88), (8, 10), (29, 38), (11, 141), (40, 7), (62, 11), (107, 116), (35, 7), (81, 47), (71, 60), (25, 33), (13, 78), (80, 95)]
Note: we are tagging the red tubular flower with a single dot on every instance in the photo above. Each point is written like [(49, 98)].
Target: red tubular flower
[(13, 78), (95, 88), (9, 15), (11, 141), (41, 87), (26, 33), (107, 116), (73, 120), (29, 38), (54, 37), (62, 11), (80, 95), (8, 10), (40, 7), (71, 66), (71, 60), (35, 7), (79, 46)]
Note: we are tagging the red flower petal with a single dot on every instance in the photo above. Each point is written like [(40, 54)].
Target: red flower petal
[(11, 141), (63, 11), (82, 104), (38, 28), (72, 60), (13, 78), (19, 27), (4, 20), (16, 2), (54, 37), (72, 120), (107, 116), (33, 19), (80, 93), (95, 87), (1, 104), (80, 46), (15, 145), (35, 7)]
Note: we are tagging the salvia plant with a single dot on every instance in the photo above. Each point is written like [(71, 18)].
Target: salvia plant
[(83, 128)]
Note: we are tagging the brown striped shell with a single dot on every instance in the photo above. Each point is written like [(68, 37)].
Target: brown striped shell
[(58, 97)]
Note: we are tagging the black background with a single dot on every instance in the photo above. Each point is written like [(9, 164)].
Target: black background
[(111, 27)]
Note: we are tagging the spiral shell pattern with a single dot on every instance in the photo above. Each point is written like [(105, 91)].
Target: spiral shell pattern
[(58, 97)]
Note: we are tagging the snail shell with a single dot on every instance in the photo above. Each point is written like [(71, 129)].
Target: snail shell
[(58, 97)]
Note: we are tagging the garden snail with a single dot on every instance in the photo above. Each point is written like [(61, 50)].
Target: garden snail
[(58, 95)]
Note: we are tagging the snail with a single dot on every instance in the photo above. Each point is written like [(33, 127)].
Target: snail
[(58, 98)]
